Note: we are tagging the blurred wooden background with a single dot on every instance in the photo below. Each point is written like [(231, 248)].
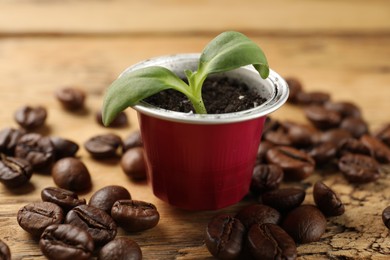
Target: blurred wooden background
[(341, 47)]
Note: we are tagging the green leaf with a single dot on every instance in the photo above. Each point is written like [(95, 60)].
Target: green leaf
[(231, 50), (136, 85)]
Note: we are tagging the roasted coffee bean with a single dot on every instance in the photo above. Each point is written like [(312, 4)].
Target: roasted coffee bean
[(322, 118), (270, 125), (262, 150), (133, 163), (66, 199), (14, 172), (30, 117), (378, 150), (5, 253), (95, 221), (327, 200), (106, 197), (269, 241), (36, 149), (284, 199), (71, 98), (35, 217), (295, 87), (352, 145), (119, 249), (323, 153), (305, 224), (71, 174), (343, 108), (296, 164), (258, 214), (311, 98), (63, 147), (356, 126), (300, 135), (278, 137), (382, 134), (103, 146), (266, 177), (119, 121), (64, 242), (135, 215), (359, 168), (8, 140), (224, 237), (386, 217), (335, 136), (133, 140)]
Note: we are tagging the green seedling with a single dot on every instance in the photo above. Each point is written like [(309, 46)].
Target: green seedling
[(229, 50)]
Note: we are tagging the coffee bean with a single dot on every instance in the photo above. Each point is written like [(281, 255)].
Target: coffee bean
[(386, 217), (312, 98), (359, 168), (63, 242), (35, 217), (103, 146), (300, 135), (322, 118), (63, 147), (133, 163), (262, 150), (71, 174), (278, 137), (8, 140), (95, 221), (284, 199), (224, 237), (133, 140), (106, 197), (266, 177), (335, 136), (270, 125), (258, 214), (71, 98), (382, 134), (14, 172), (327, 200), (36, 149), (30, 117), (135, 215), (356, 126), (269, 241), (120, 248), (323, 153), (66, 199), (119, 121), (296, 164), (352, 145), (378, 150), (305, 224), (295, 87), (5, 253), (343, 108)]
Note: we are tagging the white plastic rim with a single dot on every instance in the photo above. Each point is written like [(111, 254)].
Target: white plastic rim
[(274, 89)]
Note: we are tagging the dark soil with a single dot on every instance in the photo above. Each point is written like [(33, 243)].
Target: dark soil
[(220, 95)]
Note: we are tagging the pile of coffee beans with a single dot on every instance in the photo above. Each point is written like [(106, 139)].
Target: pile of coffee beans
[(336, 139), (62, 217), (81, 229)]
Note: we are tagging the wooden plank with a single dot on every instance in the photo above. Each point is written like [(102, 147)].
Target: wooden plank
[(200, 16), (31, 69)]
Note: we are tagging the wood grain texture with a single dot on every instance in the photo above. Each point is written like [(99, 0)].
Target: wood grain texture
[(32, 68), (279, 17)]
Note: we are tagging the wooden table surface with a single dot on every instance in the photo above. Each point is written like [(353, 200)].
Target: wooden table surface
[(341, 47)]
